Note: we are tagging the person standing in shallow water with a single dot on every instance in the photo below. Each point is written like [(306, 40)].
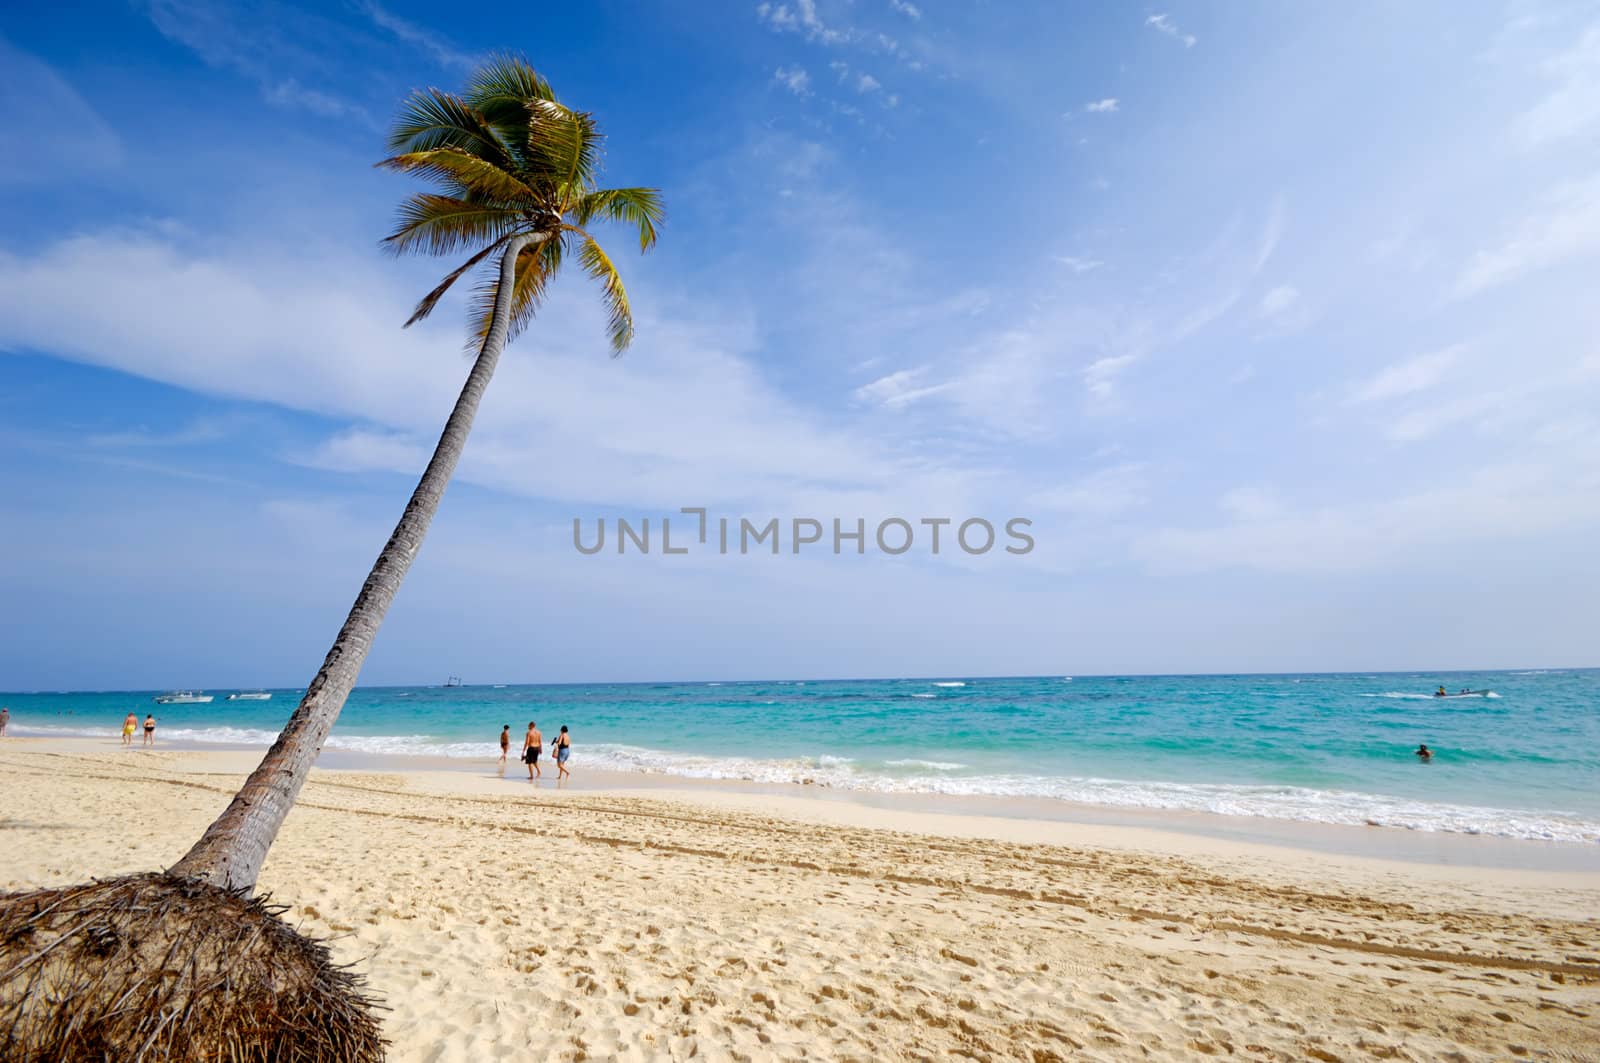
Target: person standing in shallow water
[(5, 720), (150, 729), (563, 749), (505, 743), (532, 746), (130, 723)]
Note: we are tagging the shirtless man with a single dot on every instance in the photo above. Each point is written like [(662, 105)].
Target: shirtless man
[(130, 723), (5, 718), (150, 729), (532, 746), (505, 743)]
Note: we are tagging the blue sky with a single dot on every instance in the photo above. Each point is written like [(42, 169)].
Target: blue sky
[(1276, 320)]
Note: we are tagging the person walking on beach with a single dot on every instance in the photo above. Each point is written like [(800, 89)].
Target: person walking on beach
[(149, 729), (5, 718), (130, 723), (563, 749), (505, 743), (532, 746)]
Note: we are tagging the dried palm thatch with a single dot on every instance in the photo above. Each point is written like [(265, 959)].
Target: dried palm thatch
[(156, 967)]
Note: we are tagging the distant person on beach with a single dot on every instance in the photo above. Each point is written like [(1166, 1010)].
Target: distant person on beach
[(532, 746), (505, 743), (150, 729), (130, 724), (1424, 754), (563, 748), (5, 718)]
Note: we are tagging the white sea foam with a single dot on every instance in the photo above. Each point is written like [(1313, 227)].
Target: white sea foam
[(924, 695), (949, 684), (941, 777)]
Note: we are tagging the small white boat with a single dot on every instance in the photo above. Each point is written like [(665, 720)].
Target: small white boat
[(250, 695), (182, 697)]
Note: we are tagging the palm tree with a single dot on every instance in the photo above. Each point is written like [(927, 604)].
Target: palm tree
[(516, 171), (187, 964)]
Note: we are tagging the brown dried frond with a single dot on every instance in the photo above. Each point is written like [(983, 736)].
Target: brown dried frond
[(154, 967)]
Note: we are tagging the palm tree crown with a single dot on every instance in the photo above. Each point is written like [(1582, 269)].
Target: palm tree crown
[(512, 162)]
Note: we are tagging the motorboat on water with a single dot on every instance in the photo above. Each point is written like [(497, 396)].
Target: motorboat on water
[(250, 695), (453, 681), (1463, 694), (183, 697)]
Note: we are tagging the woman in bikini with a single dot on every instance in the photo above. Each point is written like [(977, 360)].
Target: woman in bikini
[(563, 748), (150, 730)]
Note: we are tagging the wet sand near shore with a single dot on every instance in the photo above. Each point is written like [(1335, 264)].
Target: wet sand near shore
[(496, 920)]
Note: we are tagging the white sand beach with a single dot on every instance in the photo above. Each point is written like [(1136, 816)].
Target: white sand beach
[(495, 920)]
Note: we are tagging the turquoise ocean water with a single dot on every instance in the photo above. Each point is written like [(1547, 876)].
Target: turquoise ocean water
[(1522, 761)]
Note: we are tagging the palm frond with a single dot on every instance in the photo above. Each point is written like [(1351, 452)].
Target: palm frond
[(462, 174), (501, 88), (598, 265), (441, 225), (425, 307), (537, 265), (640, 207), (431, 119), (563, 147)]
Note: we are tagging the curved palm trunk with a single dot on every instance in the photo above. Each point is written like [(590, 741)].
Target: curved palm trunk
[(233, 848)]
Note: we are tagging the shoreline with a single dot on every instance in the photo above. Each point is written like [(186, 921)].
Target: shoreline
[(1175, 832)]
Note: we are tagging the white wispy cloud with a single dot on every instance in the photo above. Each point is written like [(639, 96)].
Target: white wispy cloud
[(1564, 228), (899, 389), (803, 19), (254, 45), (1164, 24), (793, 78), (1100, 376), (867, 83), (1407, 377), (1104, 106), (1573, 107), (1108, 492), (1250, 503), (1079, 263), (366, 449), (1278, 301), (1507, 502), (589, 416), (1272, 232), (909, 10), (442, 51), (290, 93), (49, 127)]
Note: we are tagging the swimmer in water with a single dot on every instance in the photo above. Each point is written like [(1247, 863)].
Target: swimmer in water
[(1424, 754)]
